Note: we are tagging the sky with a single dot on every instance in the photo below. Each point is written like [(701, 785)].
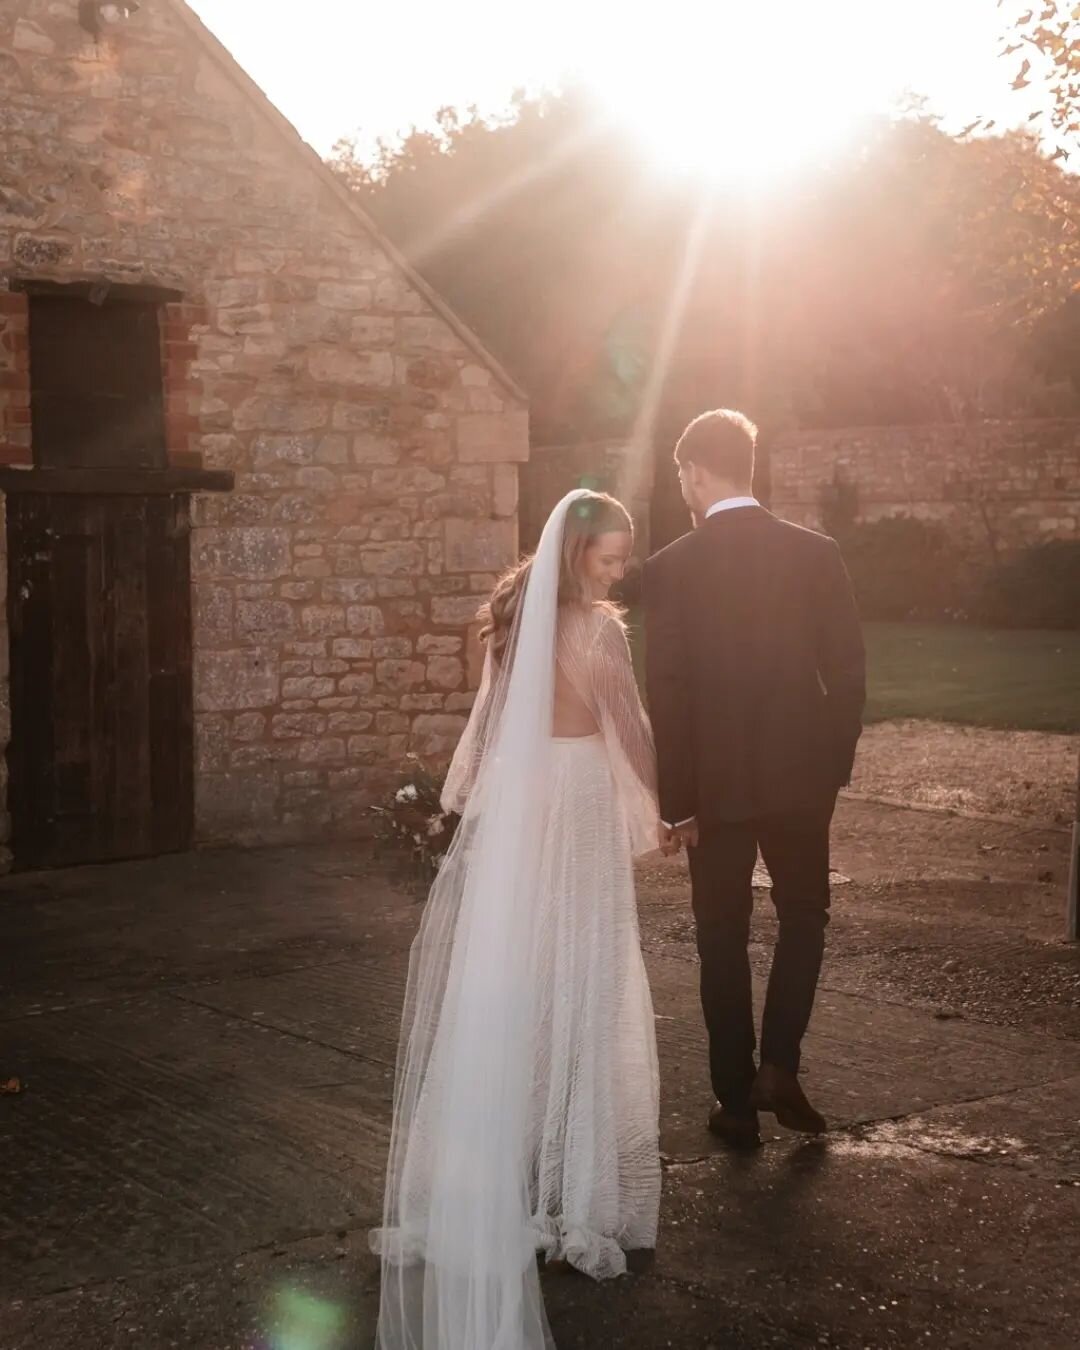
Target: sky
[(789, 72)]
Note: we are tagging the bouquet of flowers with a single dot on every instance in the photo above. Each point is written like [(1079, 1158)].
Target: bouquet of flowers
[(412, 822)]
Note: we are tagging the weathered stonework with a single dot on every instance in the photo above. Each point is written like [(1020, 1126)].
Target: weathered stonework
[(1012, 483), (375, 444)]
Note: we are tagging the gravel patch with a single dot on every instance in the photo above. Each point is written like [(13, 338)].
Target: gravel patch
[(1027, 774)]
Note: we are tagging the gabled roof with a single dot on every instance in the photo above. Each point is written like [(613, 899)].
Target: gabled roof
[(313, 163)]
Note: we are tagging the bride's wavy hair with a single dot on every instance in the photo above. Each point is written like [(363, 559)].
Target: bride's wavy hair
[(589, 518)]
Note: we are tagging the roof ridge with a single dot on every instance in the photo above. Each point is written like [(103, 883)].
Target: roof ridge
[(232, 67)]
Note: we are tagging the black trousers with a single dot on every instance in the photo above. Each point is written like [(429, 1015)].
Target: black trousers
[(795, 849)]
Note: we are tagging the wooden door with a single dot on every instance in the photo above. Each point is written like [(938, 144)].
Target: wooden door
[(99, 600)]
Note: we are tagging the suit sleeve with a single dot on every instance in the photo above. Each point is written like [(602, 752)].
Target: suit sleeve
[(669, 697), (841, 661)]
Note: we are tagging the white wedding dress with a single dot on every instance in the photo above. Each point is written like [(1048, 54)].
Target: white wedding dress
[(526, 1099)]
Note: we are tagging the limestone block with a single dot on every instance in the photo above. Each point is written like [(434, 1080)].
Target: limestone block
[(211, 745), (493, 437), (353, 649), (248, 553), (249, 726), (260, 413), (350, 721), (445, 672), (294, 726), (264, 620), (398, 647), (432, 645), (307, 687), (274, 449), (227, 807), (236, 679), (344, 295), (480, 545), (370, 330), (323, 620), (455, 611), (428, 334), (505, 500), (369, 749), (398, 675), (212, 619), (362, 685), (367, 369), (364, 620), (330, 750), (392, 559), (436, 734)]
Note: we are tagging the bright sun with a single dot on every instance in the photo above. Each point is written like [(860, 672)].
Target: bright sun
[(748, 94)]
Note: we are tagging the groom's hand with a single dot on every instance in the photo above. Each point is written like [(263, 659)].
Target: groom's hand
[(687, 833), (669, 843)]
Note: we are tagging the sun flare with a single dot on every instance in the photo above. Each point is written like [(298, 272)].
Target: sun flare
[(744, 94)]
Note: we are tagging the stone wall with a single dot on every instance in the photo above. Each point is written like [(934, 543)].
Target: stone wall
[(993, 485), (375, 445)]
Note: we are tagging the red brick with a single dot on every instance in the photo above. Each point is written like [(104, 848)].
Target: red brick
[(177, 349)]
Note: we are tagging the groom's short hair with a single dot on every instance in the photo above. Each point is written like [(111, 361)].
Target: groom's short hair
[(722, 443)]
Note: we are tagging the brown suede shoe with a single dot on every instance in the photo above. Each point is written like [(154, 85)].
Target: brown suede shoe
[(737, 1131), (778, 1091)]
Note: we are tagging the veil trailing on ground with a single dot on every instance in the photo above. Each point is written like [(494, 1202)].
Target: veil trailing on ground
[(458, 1243)]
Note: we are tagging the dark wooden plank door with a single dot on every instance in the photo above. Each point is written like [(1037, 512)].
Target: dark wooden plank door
[(101, 754)]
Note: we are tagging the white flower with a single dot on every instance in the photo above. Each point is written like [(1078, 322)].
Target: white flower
[(406, 794)]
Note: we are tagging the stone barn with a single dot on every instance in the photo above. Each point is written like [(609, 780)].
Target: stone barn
[(256, 476)]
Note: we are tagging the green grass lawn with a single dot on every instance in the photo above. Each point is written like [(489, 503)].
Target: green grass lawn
[(1011, 679)]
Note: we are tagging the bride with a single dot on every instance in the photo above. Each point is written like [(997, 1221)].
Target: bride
[(526, 1098)]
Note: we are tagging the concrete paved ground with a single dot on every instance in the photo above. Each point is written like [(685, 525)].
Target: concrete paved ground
[(206, 1045)]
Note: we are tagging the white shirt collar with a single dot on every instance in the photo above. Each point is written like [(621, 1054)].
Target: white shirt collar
[(729, 504)]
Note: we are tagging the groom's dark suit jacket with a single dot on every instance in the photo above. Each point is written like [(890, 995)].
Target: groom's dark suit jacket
[(755, 669)]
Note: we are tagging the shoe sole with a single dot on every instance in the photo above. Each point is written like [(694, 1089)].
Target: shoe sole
[(745, 1144)]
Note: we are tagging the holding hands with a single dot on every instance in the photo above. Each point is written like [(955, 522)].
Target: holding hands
[(673, 837)]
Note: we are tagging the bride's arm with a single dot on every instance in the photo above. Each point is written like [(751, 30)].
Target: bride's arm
[(619, 707), (461, 775)]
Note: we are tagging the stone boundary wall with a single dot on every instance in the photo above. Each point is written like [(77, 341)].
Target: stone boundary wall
[(994, 485)]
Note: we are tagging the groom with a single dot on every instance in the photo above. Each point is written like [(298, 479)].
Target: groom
[(756, 684)]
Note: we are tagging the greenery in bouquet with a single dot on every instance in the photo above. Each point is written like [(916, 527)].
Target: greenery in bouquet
[(412, 823)]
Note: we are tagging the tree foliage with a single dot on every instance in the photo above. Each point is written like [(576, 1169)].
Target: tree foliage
[(920, 278), (1043, 42)]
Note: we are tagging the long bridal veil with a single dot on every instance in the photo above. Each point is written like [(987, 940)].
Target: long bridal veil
[(457, 1243)]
